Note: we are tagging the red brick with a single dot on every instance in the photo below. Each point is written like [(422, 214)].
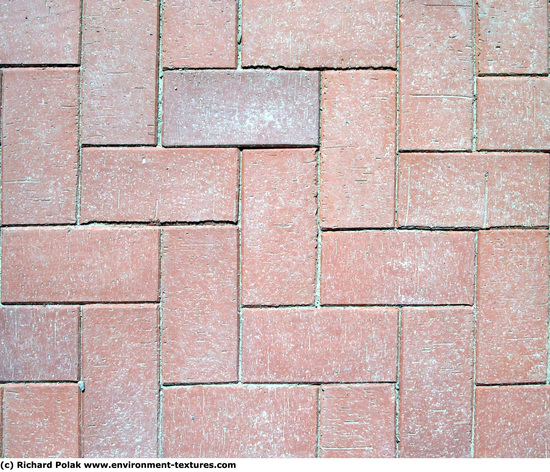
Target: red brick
[(512, 113), (240, 108), (397, 267), (473, 190), (41, 420), (155, 184), (279, 230), (512, 37), (80, 264), (357, 421), (436, 382), (40, 146), (199, 33), (361, 33), (436, 75), (39, 343), (512, 299), (512, 421), (200, 337), (319, 345), (38, 32), (120, 373), (240, 421), (358, 149), (119, 72)]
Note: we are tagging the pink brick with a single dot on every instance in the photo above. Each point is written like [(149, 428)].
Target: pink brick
[(240, 108), (512, 37), (82, 264), (39, 343), (512, 113), (358, 149), (361, 33), (155, 184), (38, 32), (436, 382), (200, 337), (357, 421), (279, 230), (41, 420), (319, 345), (119, 72), (436, 75), (199, 33), (512, 299), (240, 421), (120, 373), (39, 146), (512, 421), (473, 190), (397, 267)]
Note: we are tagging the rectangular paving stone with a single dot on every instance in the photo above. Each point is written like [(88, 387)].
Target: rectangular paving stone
[(240, 108)]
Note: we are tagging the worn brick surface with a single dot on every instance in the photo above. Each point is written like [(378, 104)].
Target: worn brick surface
[(512, 37), (475, 190), (397, 267), (139, 184), (120, 373), (361, 33), (512, 299), (323, 345), (240, 421), (436, 382), (357, 421), (41, 420), (39, 145), (38, 32), (39, 343), (240, 108), (512, 421), (358, 149), (80, 264), (199, 297)]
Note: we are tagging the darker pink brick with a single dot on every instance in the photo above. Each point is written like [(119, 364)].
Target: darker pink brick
[(357, 421), (512, 299), (119, 72), (512, 37), (397, 267), (240, 421), (41, 420), (39, 32), (140, 184), (240, 108), (120, 373), (436, 75), (436, 382), (200, 337), (82, 264), (39, 343), (199, 33), (512, 113), (323, 33), (512, 421), (39, 146), (319, 345), (358, 149), (279, 231), (473, 190)]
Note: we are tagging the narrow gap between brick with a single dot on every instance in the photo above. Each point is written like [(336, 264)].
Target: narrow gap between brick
[(319, 393), (474, 347), (159, 350), (239, 268), (398, 384), (160, 76), (239, 32)]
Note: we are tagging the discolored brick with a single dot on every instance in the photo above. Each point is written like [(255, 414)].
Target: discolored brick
[(240, 421), (319, 345), (358, 149), (200, 337)]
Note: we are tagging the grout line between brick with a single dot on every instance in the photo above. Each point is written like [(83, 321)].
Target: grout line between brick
[(317, 295), (474, 68), (474, 347), (239, 268), (1, 181), (397, 384), (160, 76), (548, 304), (81, 384), (159, 349), (2, 429), (319, 392), (239, 32), (269, 384), (397, 111)]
